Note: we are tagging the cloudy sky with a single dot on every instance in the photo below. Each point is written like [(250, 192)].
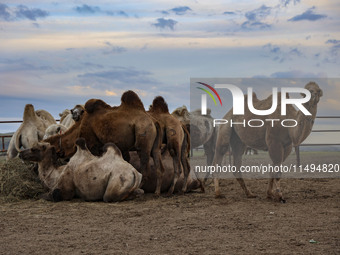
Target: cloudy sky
[(55, 54)]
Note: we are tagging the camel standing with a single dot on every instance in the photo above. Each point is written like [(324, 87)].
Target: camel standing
[(201, 130), (277, 140), (174, 137)]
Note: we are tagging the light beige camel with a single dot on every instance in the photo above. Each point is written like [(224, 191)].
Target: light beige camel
[(108, 178), (66, 118), (201, 129), (31, 130), (277, 140), (54, 129)]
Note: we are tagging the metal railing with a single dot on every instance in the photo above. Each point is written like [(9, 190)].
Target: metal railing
[(2, 147), (297, 148)]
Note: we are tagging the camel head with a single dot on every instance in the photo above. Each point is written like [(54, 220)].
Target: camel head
[(39, 152), (77, 112), (315, 92)]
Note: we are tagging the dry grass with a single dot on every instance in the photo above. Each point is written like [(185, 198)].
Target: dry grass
[(18, 181)]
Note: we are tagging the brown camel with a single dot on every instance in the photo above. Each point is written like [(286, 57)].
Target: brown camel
[(150, 186), (128, 126), (174, 138), (277, 140), (201, 130)]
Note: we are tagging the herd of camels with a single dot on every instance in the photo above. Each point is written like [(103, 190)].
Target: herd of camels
[(157, 143)]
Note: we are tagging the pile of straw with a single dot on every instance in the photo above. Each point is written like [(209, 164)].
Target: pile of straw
[(18, 181)]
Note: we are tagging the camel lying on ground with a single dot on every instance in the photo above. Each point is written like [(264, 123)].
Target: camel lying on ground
[(109, 177), (31, 130), (277, 140), (175, 139), (201, 130), (128, 126)]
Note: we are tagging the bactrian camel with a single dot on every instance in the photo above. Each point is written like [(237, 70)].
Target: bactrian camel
[(277, 140)]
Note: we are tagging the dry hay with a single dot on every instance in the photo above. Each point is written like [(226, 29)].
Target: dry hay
[(19, 181)]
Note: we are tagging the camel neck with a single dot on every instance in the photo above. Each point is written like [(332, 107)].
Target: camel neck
[(304, 126)]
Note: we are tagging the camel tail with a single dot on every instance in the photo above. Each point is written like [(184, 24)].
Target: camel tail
[(159, 137)]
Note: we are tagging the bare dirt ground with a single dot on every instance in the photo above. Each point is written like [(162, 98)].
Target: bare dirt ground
[(195, 223)]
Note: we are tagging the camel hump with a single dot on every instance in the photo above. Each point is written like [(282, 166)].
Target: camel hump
[(160, 105), (29, 113), (93, 105), (114, 147), (130, 98), (81, 143)]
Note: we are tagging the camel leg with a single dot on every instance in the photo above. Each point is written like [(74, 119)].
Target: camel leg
[(156, 155), (238, 149), (278, 154), (221, 150), (177, 170), (222, 146), (277, 177)]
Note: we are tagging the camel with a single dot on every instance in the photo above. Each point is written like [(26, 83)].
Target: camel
[(128, 126), (66, 118), (150, 186), (201, 129), (173, 137), (54, 130), (31, 130), (277, 140), (77, 112), (108, 178)]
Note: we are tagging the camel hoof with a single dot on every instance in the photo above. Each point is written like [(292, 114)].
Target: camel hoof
[(218, 196), (251, 195)]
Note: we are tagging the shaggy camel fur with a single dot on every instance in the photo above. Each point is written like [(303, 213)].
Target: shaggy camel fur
[(31, 130), (66, 118), (108, 178), (173, 137), (128, 126), (277, 140), (150, 186), (201, 129), (54, 130)]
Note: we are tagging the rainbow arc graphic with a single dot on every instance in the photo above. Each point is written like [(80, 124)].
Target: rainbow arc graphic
[(209, 93)]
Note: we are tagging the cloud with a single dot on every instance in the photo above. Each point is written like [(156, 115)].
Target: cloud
[(119, 75), (89, 10), (21, 12), (297, 74), (229, 13), (86, 9), (5, 12), (308, 15), (255, 18), (113, 49), (333, 41), (180, 10), (280, 54), (285, 3), (165, 23)]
